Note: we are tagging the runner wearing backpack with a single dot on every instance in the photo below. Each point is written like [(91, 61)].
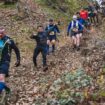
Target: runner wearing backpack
[(84, 15), (74, 31), (103, 7), (52, 36), (93, 14), (41, 45), (6, 46), (81, 22)]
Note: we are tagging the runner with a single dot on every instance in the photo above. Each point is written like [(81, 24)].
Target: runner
[(52, 37), (82, 23), (103, 8), (93, 14), (84, 15), (97, 11), (41, 47), (74, 31), (6, 46)]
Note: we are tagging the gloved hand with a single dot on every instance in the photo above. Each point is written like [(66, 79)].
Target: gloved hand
[(17, 63)]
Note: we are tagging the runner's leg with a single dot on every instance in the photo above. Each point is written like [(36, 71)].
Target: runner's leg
[(74, 41), (36, 53), (53, 45), (78, 41)]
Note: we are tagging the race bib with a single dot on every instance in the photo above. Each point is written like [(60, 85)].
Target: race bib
[(75, 30), (52, 33)]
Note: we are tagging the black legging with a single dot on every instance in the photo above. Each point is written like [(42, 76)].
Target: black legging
[(94, 19), (43, 51)]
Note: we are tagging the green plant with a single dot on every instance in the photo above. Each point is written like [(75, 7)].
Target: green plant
[(72, 87)]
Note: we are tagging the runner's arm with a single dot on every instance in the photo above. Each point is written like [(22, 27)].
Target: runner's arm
[(68, 30), (17, 52), (33, 36), (57, 29)]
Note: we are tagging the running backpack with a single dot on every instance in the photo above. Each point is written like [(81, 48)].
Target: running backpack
[(2, 45), (75, 29)]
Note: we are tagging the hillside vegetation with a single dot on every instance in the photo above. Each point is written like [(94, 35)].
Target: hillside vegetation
[(73, 78)]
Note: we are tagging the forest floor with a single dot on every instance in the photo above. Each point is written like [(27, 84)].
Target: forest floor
[(31, 86)]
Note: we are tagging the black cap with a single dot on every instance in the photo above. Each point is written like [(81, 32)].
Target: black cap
[(50, 20)]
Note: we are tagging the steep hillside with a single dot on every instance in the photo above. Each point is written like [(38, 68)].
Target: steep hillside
[(31, 86)]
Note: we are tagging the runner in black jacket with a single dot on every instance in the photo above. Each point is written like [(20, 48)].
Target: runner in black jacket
[(41, 47)]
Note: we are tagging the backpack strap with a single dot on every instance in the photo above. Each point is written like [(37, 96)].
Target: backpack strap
[(48, 27), (72, 24), (77, 24), (8, 40)]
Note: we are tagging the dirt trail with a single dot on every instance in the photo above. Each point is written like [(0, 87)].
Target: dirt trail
[(29, 84), (33, 84)]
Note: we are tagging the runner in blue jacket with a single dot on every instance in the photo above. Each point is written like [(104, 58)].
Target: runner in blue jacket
[(74, 29)]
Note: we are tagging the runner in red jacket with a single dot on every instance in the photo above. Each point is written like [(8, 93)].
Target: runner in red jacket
[(84, 14)]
